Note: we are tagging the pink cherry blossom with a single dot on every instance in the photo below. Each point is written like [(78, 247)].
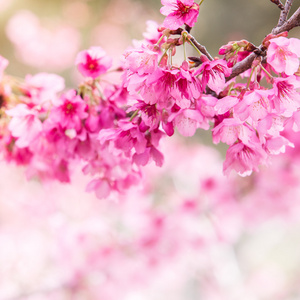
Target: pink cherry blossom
[(141, 159), (166, 87), (286, 98), (206, 105), (100, 187), (70, 111), (11, 153), (142, 60), (179, 12), (150, 115), (135, 144), (43, 87), (152, 34), (187, 121), (213, 74), (244, 159), (276, 145), (225, 104), (283, 55), (231, 129), (235, 51), (93, 62), (126, 137), (25, 124), (256, 104), (271, 125)]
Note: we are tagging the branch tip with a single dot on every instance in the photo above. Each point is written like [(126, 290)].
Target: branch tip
[(278, 3)]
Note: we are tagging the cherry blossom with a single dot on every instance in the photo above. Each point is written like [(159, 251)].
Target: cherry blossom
[(93, 62), (283, 55), (213, 74), (179, 12), (25, 125), (244, 159), (286, 98), (69, 112)]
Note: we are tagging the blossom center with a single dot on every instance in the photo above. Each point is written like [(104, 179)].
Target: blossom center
[(69, 108), (184, 9), (281, 53), (91, 66)]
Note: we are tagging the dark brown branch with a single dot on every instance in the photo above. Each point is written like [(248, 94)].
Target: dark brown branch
[(242, 66), (284, 13), (177, 31), (278, 3), (188, 28)]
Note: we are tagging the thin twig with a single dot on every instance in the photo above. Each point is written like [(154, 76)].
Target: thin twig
[(284, 13), (200, 47), (278, 3), (246, 63), (292, 22)]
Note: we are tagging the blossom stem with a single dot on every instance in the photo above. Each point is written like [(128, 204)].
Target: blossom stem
[(231, 85), (195, 48), (267, 73), (99, 90), (184, 47), (134, 115), (249, 80), (256, 76), (159, 40), (165, 53), (171, 58)]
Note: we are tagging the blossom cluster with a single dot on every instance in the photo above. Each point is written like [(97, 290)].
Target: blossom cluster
[(253, 116), (249, 117), (114, 129)]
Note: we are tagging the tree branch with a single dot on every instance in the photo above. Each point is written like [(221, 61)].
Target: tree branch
[(292, 22), (242, 66), (284, 13)]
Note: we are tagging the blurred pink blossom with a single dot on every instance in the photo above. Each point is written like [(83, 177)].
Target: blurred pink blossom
[(51, 49)]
